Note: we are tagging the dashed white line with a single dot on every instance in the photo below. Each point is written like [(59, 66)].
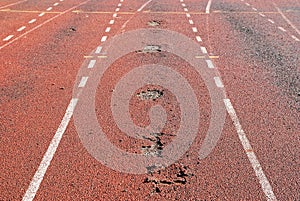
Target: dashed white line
[(282, 29), (195, 30), (119, 5), (198, 38), (185, 9), (48, 9), (41, 14), (261, 14), (183, 4), (266, 187), (209, 63), (203, 49), (92, 62), (103, 38), (207, 9), (107, 29), (82, 82), (191, 21), (295, 38), (47, 158), (247, 4), (181, 0), (98, 50), (117, 9), (8, 38), (111, 21), (21, 28), (115, 14), (188, 15), (218, 82), (254, 9), (271, 21), (32, 21), (55, 4)]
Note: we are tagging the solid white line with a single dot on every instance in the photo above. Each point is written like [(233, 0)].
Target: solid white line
[(92, 63), (103, 38), (48, 9), (218, 82), (191, 21), (111, 21), (194, 29), (209, 63), (8, 38), (207, 9), (41, 14), (261, 14), (143, 6), (83, 82), (40, 173), (115, 14), (271, 21), (203, 49), (188, 15), (286, 19), (21, 28), (32, 21), (265, 184), (107, 29), (295, 38), (198, 38), (185, 9), (98, 50), (56, 4), (282, 29)]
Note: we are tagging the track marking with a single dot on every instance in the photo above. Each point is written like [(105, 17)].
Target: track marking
[(295, 38), (271, 21), (12, 4), (55, 4), (111, 21), (254, 9), (209, 63), (117, 9), (203, 49), (8, 38), (195, 30), (41, 14), (119, 5), (98, 50), (107, 29), (282, 29), (191, 21), (31, 21), (183, 4), (21, 28), (185, 9), (261, 14), (47, 158), (188, 15), (82, 82), (218, 82), (266, 187), (198, 38), (48, 9), (247, 4), (92, 63), (207, 9)]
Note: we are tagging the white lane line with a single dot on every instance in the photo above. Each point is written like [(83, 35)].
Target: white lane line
[(48, 9), (295, 38), (183, 5), (218, 82), (121, 0), (286, 19), (21, 28), (198, 38), (254, 9), (82, 82), (188, 15), (282, 29), (61, 0), (117, 9), (107, 29), (92, 63), (209, 63), (115, 14), (195, 30), (48, 156), (207, 9), (32, 21), (41, 14), (8, 38), (271, 21), (185, 9), (103, 38), (56, 4), (203, 49), (12, 4), (261, 14), (181, 0), (247, 4), (191, 21), (111, 21), (98, 50), (119, 5), (265, 184)]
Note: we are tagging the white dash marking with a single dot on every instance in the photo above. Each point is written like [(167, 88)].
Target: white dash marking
[(242, 0), (111, 21), (56, 4), (41, 14), (194, 29), (107, 29), (185, 9), (61, 0), (48, 9), (181, 0), (119, 5), (191, 21), (247, 4), (271, 21), (207, 9), (188, 15), (8, 38), (265, 184), (82, 82), (21, 28), (183, 4), (117, 9), (48, 156), (254, 9), (92, 63), (98, 50), (198, 38), (115, 15), (295, 38), (32, 21), (121, 0), (103, 38), (261, 14), (203, 49), (210, 63), (282, 29), (218, 82)]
